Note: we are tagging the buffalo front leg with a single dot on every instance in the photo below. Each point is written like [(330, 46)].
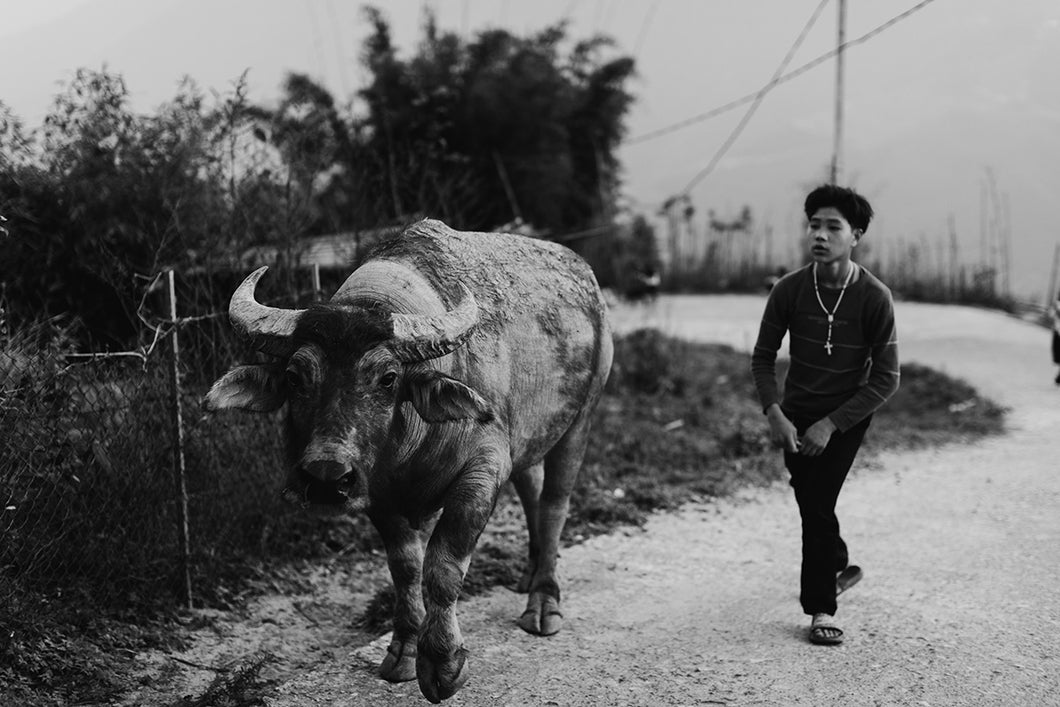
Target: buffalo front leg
[(404, 553), (441, 661), (543, 616)]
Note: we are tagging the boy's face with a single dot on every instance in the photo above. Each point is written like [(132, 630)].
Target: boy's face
[(831, 237)]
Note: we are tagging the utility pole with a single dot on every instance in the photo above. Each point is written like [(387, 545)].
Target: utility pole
[(507, 187), (837, 145), (1006, 246), (955, 284), (1051, 293), (984, 239)]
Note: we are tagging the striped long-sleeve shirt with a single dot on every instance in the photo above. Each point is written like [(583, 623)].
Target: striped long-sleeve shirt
[(862, 371)]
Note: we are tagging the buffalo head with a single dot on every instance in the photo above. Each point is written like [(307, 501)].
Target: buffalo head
[(345, 371)]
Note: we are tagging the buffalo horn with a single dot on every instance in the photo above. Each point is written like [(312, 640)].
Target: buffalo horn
[(268, 328), (420, 337)]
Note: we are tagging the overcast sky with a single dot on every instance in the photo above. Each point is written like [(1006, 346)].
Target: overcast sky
[(957, 87)]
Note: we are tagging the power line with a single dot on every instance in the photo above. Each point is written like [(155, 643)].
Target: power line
[(337, 38), (644, 26), (587, 233), (837, 137), (757, 101), (565, 16), (794, 73), (609, 14), (316, 42)]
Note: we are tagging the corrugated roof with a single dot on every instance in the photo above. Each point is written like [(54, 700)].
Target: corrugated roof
[(334, 250)]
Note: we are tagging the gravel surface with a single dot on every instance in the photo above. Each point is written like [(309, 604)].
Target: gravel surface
[(960, 547)]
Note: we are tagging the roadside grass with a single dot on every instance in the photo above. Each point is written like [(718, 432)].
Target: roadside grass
[(69, 656)]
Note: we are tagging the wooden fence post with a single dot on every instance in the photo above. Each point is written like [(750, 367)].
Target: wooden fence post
[(177, 420)]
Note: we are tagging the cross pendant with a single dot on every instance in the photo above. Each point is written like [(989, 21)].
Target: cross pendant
[(828, 347)]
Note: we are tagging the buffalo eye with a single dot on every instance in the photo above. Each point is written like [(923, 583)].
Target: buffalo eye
[(388, 379), (295, 380)]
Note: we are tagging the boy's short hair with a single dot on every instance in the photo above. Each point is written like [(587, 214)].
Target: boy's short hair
[(854, 207)]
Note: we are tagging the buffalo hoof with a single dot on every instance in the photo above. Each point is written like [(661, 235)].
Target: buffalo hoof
[(542, 616), (440, 679), (399, 665)]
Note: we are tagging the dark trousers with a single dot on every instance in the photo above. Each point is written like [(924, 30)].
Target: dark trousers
[(817, 481)]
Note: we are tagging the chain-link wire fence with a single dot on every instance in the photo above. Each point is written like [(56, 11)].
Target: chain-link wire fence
[(97, 486), (83, 476)]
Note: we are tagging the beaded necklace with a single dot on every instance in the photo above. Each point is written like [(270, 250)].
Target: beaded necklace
[(831, 315)]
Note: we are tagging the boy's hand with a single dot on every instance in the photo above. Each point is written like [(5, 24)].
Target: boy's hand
[(816, 437), (782, 430)]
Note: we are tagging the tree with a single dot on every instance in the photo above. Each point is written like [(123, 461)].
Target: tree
[(483, 131), (476, 132), (89, 212), (106, 200)]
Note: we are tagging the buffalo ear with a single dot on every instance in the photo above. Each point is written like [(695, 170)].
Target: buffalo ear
[(439, 398), (253, 388)]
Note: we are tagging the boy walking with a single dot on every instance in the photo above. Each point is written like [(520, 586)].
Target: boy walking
[(844, 366)]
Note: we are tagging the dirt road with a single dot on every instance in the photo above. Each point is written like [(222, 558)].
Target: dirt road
[(960, 546)]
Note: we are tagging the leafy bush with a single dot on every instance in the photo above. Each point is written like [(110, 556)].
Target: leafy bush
[(100, 198)]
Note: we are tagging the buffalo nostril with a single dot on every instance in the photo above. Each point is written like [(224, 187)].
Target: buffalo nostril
[(325, 482), (325, 470)]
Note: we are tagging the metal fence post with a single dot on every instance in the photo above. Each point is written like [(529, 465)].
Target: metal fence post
[(177, 419)]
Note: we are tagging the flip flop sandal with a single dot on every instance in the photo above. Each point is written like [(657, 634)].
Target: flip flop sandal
[(824, 632), (847, 579)]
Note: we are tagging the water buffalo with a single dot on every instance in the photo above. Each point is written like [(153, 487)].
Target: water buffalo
[(446, 364)]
